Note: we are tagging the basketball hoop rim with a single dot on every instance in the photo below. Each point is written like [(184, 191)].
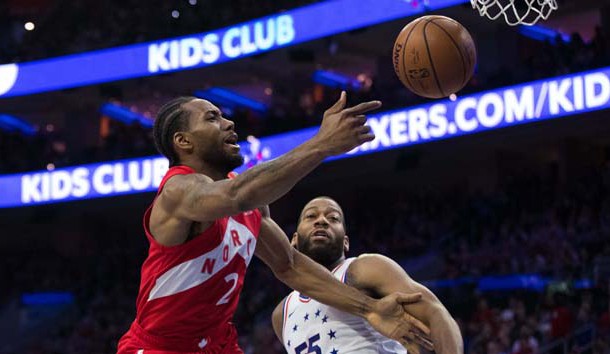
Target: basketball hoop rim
[(536, 10)]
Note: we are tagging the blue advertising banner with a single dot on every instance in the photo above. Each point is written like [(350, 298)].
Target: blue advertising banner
[(205, 49), (496, 109)]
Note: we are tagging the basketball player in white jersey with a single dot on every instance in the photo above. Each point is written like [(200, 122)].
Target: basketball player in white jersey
[(304, 325)]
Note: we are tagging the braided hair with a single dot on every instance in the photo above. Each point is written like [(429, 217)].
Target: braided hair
[(171, 118)]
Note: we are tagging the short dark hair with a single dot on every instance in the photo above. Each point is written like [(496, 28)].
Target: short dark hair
[(171, 118)]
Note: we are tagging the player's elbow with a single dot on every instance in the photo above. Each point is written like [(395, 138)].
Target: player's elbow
[(238, 197), (430, 309), (244, 199), (246, 195), (285, 267), (438, 312), (435, 308)]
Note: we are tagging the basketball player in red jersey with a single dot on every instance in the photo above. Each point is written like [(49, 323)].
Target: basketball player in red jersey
[(204, 229)]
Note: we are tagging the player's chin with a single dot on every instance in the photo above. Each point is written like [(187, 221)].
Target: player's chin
[(234, 159), (318, 245), (320, 239)]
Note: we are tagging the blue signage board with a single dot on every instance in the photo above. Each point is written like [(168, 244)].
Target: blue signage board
[(442, 119), (205, 49)]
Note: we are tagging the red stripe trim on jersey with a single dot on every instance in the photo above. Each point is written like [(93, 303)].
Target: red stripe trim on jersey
[(337, 267), (304, 299)]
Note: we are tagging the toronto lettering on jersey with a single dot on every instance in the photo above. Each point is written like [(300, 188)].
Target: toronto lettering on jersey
[(496, 109), (237, 240)]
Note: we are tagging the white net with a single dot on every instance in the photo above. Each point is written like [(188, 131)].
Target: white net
[(516, 12)]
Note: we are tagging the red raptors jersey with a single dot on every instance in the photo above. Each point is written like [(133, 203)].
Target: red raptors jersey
[(189, 293)]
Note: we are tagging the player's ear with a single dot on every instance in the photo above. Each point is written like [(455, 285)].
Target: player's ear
[(346, 244), (182, 140), (293, 241)]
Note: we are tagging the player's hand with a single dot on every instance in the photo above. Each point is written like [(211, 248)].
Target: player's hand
[(343, 129), (389, 318)]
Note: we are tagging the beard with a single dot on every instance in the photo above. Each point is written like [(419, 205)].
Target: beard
[(325, 254), (223, 160)]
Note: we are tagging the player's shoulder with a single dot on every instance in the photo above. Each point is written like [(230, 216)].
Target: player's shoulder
[(369, 259), (367, 264), (178, 185), (182, 181)]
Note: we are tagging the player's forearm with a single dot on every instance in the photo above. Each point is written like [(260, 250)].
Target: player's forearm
[(267, 182), (445, 332), (315, 281)]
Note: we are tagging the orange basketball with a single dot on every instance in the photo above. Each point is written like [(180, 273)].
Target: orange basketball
[(434, 56)]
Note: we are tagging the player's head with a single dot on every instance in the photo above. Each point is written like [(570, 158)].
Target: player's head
[(321, 231), (188, 128)]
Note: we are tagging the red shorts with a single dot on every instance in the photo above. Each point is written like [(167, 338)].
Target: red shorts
[(137, 341)]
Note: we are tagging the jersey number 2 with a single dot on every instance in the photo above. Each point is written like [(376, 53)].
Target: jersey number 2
[(311, 347), (230, 278)]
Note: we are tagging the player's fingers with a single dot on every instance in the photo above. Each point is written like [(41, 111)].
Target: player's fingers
[(339, 105), (358, 120), (406, 299), (363, 138), (362, 108), (424, 341), (419, 325), (365, 129)]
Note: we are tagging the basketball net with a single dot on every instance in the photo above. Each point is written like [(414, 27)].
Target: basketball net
[(516, 12)]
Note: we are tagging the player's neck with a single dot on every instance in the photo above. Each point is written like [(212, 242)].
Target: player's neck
[(335, 264), (204, 168)]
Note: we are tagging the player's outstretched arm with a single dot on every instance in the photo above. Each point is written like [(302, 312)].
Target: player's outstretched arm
[(199, 198), (308, 277), (379, 276)]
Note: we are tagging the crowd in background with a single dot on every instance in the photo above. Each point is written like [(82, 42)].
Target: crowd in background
[(524, 227)]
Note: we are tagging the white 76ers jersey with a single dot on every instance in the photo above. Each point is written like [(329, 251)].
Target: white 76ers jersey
[(311, 327)]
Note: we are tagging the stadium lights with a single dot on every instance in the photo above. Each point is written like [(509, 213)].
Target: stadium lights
[(335, 80), (541, 33), (231, 99), (125, 115), (13, 124)]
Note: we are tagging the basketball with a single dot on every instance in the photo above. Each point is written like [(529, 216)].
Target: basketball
[(434, 56)]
